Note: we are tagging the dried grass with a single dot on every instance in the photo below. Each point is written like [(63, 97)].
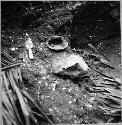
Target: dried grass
[(13, 91)]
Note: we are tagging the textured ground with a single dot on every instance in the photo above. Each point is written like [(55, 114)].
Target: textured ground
[(67, 100)]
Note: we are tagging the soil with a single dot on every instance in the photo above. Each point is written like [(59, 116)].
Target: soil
[(81, 99)]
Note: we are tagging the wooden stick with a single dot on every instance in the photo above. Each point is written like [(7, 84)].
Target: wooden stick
[(7, 56), (100, 72), (11, 66), (99, 51)]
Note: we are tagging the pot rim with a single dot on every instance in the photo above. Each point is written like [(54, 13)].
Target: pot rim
[(61, 46)]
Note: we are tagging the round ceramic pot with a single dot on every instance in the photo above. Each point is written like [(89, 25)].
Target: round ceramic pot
[(57, 43)]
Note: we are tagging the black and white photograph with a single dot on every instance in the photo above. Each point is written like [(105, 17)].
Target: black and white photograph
[(61, 62)]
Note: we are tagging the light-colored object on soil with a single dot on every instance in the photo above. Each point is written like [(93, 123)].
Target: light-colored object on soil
[(64, 62), (29, 45), (57, 43)]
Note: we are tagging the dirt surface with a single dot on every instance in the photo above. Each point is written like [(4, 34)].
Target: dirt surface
[(112, 50), (92, 97)]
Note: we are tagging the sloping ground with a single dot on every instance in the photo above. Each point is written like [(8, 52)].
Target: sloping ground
[(112, 49), (93, 97), (63, 97)]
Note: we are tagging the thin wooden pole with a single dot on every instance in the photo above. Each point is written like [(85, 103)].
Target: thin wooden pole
[(11, 66)]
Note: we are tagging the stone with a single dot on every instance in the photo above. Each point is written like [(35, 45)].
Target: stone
[(69, 64)]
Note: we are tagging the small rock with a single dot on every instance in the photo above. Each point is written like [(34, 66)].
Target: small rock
[(69, 64)]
